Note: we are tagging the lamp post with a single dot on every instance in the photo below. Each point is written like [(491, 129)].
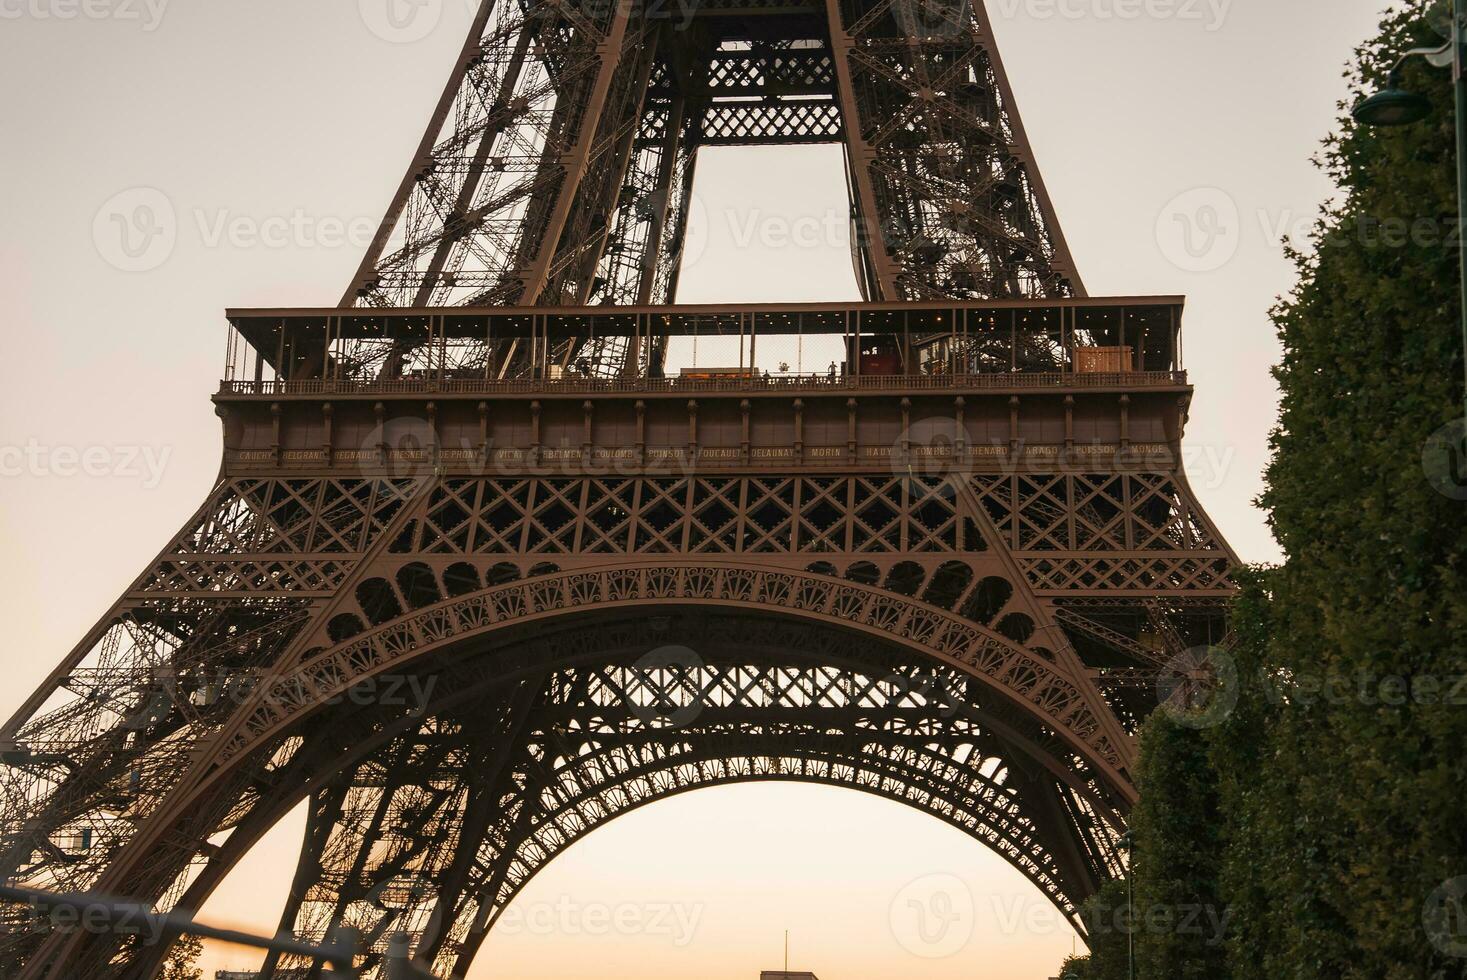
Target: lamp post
[(1127, 845), (1393, 106)]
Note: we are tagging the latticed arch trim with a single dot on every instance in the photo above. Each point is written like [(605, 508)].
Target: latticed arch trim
[(1034, 684)]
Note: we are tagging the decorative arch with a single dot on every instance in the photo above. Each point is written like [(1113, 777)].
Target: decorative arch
[(588, 751), (266, 730), (592, 744), (450, 940), (1031, 681)]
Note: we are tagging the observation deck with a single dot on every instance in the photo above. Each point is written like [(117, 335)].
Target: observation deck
[(830, 385)]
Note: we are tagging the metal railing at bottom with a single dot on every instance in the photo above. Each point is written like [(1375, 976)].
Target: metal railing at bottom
[(103, 913), (814, 384)]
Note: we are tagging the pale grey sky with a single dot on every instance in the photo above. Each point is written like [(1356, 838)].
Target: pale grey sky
[(275, 131)]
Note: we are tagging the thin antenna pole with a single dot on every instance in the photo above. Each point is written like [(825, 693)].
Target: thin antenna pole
[(786, 951)]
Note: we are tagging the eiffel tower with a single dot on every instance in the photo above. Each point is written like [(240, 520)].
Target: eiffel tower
[(488, 564)]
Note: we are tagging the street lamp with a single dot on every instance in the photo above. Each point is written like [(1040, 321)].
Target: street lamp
[(1127, 845), (1393, 106)]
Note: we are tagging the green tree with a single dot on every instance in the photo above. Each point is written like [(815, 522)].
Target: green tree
[(1340, 779), (1075, 968), (1107, 917), (1265, 847), (1361, 783), (182, 960), (1179, 917)]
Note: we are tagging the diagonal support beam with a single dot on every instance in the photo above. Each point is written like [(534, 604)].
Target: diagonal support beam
[(576, 161), (879, 280), (367, 270)]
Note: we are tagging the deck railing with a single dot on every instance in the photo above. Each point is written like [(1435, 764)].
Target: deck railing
[(794, 384)]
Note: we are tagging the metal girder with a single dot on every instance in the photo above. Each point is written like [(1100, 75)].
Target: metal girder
[(971, 641), (945, 191), (273, 568), (947, 198), (600, 741)]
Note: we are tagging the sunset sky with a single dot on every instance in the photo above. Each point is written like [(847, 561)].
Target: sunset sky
[(1198, 119)]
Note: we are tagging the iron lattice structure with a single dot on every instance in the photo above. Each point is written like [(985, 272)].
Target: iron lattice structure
[(481, 572), (558, 167)]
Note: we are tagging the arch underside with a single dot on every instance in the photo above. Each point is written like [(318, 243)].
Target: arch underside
[(432, 831), (142, 777)]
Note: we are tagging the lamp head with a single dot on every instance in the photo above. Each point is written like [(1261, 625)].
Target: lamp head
[(1392, 106)]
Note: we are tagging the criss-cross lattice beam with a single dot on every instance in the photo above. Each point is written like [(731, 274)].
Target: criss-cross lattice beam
[(544, 150), (947, 196), (602, 741)]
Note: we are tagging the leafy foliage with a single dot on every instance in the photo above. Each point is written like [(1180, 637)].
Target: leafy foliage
[(1180, 920), (1075, 968), (1107, 914), (182, 960), (1330, 804), (1356, 814)]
